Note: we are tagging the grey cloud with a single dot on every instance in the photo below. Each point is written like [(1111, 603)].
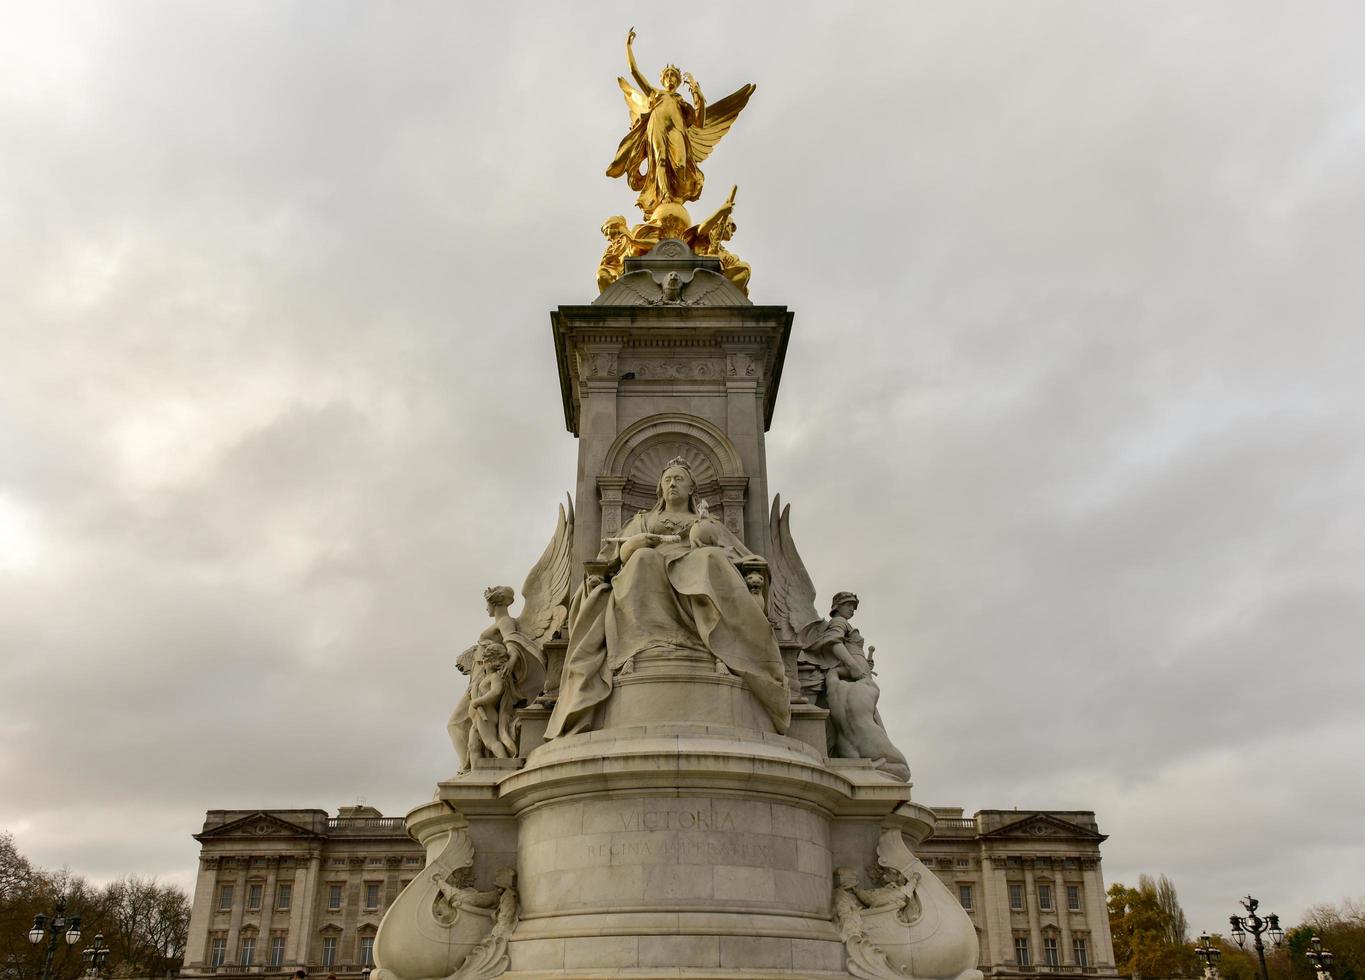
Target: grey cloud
[(1072, 398)]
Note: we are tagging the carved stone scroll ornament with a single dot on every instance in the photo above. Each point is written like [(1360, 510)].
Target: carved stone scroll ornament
[(907, 925), (506, 666), (442, 928), (866, 959)]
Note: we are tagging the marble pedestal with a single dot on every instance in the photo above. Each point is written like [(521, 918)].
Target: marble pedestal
[(652, 848)]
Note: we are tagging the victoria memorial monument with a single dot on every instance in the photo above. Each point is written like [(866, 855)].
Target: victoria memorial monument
[(670, 760)]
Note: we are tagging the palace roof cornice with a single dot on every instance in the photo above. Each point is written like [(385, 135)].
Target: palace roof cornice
[(1035, 826)]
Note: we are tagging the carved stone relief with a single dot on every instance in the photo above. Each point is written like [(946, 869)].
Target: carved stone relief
[(740, 365), (597, 365), (673, 368)]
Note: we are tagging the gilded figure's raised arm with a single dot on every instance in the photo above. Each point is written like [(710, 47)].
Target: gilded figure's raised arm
[(634, 68), (698, 100)]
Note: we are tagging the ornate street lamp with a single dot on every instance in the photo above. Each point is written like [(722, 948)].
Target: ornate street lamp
[(1255, 926), (95, 956), (59, 926), (1209, 953), (1321, 958)]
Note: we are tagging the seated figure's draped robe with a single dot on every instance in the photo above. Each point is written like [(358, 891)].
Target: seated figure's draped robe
[(670, 596)]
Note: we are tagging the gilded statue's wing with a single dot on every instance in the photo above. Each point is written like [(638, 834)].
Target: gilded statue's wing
[(791, 593), (546, 588), (720, 116), (636, 101)]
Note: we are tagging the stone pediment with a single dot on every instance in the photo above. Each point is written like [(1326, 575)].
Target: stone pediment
[(672, 275), (1043, 826), (696, 287), (258, 825)]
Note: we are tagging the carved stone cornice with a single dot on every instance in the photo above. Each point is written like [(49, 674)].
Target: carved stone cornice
[(648, 333), (1042, 826), (257, 825)]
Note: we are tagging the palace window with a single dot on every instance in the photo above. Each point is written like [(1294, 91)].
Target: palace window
[(218, 951), (367, 951), (412, 861), (284, 894), (1045, 897), (964, 895), (333, 897), (1073, 897), (329, 951), (1016, 898), (338, 862), (1021, 951), (1079, 952), (1050, 956), (277, 951), (963, 863), (376, 862), (371, 895), (224, 897), (248, 950), (253, 896)]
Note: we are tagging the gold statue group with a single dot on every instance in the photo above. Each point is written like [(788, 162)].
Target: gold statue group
[(659, 157)]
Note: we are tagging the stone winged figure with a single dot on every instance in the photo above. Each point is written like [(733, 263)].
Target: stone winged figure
[(833, 667), (506, 666), (670, 136)]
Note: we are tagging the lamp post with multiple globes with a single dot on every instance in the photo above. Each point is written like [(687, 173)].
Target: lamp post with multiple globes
[(57, 928), (95, 956), (1255, 926), (1320, 958), (1209, 953)]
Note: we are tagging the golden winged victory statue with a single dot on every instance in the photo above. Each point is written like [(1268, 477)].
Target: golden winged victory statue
[(659, 157)]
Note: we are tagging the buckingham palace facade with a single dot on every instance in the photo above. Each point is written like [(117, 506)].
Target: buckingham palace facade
[(279, 890)]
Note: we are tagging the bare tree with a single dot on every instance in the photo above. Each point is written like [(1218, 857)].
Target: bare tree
[(1177, 926), (147, 924)]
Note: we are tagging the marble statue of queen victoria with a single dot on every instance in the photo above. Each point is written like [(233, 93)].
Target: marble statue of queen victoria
[(673, 585)]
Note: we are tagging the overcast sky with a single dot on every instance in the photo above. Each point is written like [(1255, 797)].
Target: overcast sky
[(1073, 399)]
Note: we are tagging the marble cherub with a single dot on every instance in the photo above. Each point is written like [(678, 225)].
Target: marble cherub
[(506, 665)]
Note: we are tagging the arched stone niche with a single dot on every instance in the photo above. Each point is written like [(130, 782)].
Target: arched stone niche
[(639, 454)]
